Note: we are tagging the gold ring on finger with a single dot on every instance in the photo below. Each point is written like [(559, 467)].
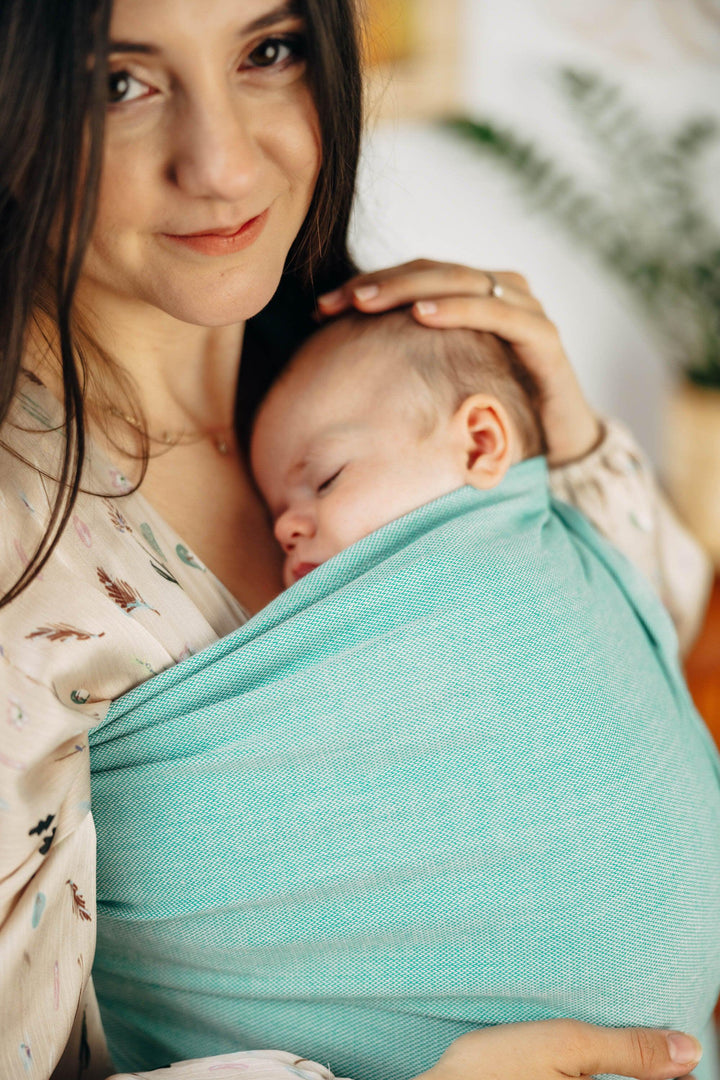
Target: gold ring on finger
[(496, 288)]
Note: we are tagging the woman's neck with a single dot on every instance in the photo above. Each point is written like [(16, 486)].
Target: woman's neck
[(185, 376), (185, 379)]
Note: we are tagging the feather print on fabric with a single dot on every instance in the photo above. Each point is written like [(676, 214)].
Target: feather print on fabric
[(122, 594), (118, 519), (188, 558), (63, 632), (78, 902), (42, 826), (38, 908), (83, 531), (26, 1055), (35, 410), (164, 572), (150, 537), (32, 377)]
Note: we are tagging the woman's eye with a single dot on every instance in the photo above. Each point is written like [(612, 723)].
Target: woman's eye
[(277, 52), (124, 87), (326, 483)]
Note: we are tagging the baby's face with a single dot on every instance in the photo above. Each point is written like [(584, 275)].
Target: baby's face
[(339, 449)]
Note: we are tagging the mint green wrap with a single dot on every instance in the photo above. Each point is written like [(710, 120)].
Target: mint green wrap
[(452, 778)]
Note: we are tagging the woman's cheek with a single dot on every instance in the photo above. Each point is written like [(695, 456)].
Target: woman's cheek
[(294, 131)]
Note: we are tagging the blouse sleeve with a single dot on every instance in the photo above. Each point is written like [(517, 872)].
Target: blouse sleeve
[(614, 486), (251, 1064), (47, 895)]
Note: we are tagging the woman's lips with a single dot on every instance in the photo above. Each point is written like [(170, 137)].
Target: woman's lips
[(302, 569), (222, 241)]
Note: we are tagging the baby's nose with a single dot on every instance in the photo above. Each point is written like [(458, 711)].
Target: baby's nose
[(291, 527)]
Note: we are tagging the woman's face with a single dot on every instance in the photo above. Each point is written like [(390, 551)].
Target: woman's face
[(212, 151)]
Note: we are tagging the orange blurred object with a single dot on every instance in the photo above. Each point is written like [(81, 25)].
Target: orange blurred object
[(703, 667), (388, 30), (703, 676)]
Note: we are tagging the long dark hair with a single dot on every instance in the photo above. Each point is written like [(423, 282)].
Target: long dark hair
[(53, 86)]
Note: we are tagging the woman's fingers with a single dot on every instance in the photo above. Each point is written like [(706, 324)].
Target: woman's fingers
[(639, 1052), (559, 1049), (529, 330), (422, 280), (446, 295)]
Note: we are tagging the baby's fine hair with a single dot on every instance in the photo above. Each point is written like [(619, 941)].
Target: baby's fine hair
[(455, 364)]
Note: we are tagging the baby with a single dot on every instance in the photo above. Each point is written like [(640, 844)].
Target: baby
[(376, 416)]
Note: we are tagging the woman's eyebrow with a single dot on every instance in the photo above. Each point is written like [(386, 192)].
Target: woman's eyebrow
[(132, 47), (290, 9)]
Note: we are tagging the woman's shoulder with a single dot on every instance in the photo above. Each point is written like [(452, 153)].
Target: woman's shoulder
[(31, 451), (119, 599)]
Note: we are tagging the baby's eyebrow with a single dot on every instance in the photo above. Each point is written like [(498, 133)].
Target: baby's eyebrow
[(297, 469), (335, 433)]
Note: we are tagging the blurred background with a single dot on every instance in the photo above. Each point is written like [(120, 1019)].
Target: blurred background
[(585, 153), (578, 142)]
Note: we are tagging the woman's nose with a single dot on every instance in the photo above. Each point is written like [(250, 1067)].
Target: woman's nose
[(291, 527), (217, 155)]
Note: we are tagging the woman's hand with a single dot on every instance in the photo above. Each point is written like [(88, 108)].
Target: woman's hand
[(446, 295), (559, 1049), (546, 1050)]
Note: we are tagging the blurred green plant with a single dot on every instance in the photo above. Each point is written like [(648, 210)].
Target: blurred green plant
[(645, 217)]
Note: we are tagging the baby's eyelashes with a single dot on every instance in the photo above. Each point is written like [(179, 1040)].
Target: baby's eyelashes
[(326, 483)]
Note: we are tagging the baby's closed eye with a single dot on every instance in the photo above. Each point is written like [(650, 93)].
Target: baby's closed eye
[(330, 480)]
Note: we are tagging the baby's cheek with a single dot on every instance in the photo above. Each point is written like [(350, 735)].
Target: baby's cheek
[(363, 516), (286, 577)]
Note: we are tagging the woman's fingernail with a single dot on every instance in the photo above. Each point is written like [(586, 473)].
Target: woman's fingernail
[(331, 299), (684, 1050), (366, 292), (426, 307)]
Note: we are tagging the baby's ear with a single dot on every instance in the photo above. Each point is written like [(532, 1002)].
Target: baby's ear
[(489, 440)]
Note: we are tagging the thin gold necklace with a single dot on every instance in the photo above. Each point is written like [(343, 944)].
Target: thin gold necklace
[(221, 438)]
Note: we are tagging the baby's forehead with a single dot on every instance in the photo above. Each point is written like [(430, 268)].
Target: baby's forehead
[(345, 371), (339, 355), (327, 386)]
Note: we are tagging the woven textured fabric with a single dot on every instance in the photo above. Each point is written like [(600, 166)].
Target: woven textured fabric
[(451, 778)]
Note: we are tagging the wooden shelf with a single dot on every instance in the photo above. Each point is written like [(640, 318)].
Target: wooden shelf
[(703, 667)]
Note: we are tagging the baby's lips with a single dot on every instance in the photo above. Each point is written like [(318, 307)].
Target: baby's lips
[(302, 569)]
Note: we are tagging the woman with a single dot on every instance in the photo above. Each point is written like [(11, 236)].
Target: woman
[(154, 190)]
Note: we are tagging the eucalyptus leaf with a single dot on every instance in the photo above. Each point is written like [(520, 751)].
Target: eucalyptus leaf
[(654, 231)]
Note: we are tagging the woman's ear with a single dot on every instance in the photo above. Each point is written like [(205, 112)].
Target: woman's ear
[(490, 444)]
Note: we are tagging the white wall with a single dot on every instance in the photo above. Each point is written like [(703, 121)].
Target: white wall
[(425, 193)]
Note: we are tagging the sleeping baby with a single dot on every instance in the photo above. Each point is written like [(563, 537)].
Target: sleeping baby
[(378, 415)]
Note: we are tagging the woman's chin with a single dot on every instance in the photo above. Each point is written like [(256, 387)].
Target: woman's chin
[(200, 295), (224, 302)]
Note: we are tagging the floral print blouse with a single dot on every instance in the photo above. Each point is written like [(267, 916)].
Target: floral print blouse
[(121, 598)]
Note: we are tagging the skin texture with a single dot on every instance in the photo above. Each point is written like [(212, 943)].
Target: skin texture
[(340, 448)]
